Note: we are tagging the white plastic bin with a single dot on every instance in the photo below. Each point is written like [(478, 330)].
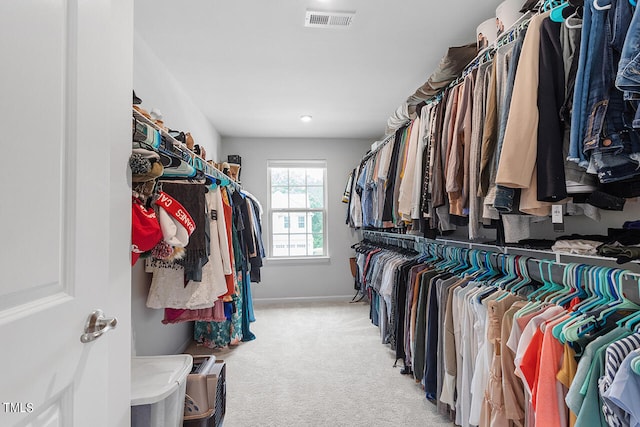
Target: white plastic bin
[(158, 386)]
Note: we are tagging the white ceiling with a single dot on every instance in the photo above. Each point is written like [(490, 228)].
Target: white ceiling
[(253, 68)]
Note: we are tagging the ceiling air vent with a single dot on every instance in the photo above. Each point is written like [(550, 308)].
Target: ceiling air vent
[(328, 19)]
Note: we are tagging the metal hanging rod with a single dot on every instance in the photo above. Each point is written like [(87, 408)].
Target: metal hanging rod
[(422, 242)]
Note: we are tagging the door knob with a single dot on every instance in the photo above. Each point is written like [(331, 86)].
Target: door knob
[(97, 325)]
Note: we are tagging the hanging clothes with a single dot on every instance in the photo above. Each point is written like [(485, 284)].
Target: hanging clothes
[(493, 346)]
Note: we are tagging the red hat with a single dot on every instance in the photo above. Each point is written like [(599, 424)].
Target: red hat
[(145, 230), (175, 222)]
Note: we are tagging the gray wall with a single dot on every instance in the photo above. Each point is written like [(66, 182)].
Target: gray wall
[(150, 336), (159, 89), (300, 279)]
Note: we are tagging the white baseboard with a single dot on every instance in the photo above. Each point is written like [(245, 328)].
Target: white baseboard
[(331, 298), (183, 348)]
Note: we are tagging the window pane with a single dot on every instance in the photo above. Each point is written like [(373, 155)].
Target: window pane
[(315, 176), (279, 176), (295, 222), (316, 197), (317, 225), (297, 197), (280, 222), (296, 176), (279, 197), (318, 245), (297, 233), (280, 245), (298, 246)]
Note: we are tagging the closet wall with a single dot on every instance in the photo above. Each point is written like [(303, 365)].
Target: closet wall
[(159, 89), (304, 279), (572, 224)]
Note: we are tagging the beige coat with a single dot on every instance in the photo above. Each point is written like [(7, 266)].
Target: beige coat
[(517, 166)]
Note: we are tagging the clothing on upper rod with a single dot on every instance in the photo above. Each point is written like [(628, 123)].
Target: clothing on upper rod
[(513, 144)]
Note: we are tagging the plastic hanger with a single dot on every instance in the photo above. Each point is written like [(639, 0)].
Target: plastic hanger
[(463, 264), (561, 289), (547, 283), (573, 275), (512, 276), (617, 302), (620, 302), (550, 4), (534, 298), (448, 259), (432, 252), (483, 267), (557, 12), (630, 321), (570, 327), (598, 7), (635, 365), (569, 278), (489, 271), (472, 267), (587, 321), (574, 15), (524, 271), (589, 276)]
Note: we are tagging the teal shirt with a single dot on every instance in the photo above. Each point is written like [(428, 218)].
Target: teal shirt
[(592, 405), (579, 387)]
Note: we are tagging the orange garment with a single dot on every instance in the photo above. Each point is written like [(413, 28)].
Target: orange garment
[(529, 364), (549, 393), (229, 278), (567, 373), (524, 320)]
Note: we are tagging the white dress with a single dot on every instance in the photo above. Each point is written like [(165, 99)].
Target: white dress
[(167, 286)]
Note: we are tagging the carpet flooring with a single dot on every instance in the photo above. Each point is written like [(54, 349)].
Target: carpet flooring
[(319, 364)]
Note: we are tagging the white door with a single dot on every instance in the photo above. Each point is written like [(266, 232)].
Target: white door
[(65, 111)]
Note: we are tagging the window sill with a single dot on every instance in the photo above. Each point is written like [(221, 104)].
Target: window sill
[(299, 260)]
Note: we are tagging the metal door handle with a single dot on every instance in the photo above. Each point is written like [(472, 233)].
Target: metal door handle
[(97, 325)]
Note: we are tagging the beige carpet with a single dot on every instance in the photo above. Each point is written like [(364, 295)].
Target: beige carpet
[(319, 364)]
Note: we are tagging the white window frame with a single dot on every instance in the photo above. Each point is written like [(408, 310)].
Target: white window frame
[(324, 210)]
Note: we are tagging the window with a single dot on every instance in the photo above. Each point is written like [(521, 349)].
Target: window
[(297, 208)]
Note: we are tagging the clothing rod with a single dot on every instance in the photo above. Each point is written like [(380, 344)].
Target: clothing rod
[(390, 235), (206, 167), (505, 33), (498, 249), (383, 143), (457, 80), (487, 50)]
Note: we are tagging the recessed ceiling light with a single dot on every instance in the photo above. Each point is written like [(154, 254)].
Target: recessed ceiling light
[(305, 118)]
